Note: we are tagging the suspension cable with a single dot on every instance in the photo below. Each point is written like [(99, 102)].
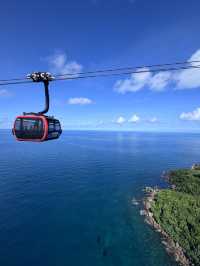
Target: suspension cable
[(112, 72)]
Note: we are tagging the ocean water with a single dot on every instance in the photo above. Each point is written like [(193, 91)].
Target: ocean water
[(68, 202)]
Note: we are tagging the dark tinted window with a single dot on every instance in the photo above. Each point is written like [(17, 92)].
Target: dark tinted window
[(57, 126), (32, 124), (18, 124), (30, 128), (51, 126)]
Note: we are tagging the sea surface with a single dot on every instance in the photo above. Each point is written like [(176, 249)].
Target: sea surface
[(68, 201)]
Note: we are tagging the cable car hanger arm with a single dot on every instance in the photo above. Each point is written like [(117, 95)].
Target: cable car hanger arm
[(44, 77), (46, 88)]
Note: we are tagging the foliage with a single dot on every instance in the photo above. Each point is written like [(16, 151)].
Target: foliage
[(178, 211), (186, 180)]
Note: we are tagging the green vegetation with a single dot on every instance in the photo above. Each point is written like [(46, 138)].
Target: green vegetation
[(178, 211), (186, 180)]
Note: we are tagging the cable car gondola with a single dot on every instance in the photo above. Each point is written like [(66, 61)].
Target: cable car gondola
[(38, 126)]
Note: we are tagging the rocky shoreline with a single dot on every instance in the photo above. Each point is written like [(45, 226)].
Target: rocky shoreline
[(172, 248)]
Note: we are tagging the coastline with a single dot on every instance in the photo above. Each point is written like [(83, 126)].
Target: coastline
[(174, 212), (171, 247)]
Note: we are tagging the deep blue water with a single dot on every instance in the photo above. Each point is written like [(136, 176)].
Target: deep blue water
[(57, 197)]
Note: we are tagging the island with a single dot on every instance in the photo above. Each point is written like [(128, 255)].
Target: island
[(175, 213)]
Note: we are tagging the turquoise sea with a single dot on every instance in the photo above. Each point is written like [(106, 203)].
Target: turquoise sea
[(68, 201)]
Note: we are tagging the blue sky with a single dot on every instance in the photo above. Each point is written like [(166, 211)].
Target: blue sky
[(65, 36)]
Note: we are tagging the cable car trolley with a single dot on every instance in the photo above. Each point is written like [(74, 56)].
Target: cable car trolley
[(38, 126)]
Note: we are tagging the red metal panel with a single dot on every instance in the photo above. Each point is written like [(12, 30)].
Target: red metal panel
[(45, 126)]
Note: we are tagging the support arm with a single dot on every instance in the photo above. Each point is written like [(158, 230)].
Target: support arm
[(44, 77), (46, 87)]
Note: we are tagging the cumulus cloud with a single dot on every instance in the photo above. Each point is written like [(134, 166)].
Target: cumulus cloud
[(60, 64), (191, 116), (135, 83), (183, 79), (189, 78), (159, 81), (120, 120), (80, 101), (134, 119)]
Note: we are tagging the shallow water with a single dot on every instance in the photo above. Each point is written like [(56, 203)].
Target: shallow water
[(58, 199)]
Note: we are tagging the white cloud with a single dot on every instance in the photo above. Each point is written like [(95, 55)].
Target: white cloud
[(135, 83), (5, 93), (183, 79), (60, 65), (189, 78), (195, 57), (80, 101), (191, 116), (159, 81), (120, 120), (153, 120), (139, 81), (134, 119)]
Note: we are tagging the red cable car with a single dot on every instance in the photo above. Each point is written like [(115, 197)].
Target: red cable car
[(37, 126)]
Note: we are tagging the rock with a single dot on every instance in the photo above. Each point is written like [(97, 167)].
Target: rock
[(143, 212), (147, 205), (177, 245), (148, 189), (164, 242), (150, 214), (148, 221), (196, 166)]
